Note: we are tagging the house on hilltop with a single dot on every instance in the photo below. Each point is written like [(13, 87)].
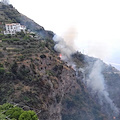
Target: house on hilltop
[(13, 28)]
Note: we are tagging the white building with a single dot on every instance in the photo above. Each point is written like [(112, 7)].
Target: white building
[(13, 28)]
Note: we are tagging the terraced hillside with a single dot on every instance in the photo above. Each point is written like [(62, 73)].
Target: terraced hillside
[(32, 74)]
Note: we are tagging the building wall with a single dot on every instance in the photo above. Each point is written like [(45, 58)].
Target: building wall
[(13, 28)]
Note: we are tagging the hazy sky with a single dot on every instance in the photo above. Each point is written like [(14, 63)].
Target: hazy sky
[(96, 23)]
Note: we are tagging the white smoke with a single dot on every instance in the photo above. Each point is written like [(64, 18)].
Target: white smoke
[(64, 49), (97, 83), (6, 2), (95, 80), (66, 46)]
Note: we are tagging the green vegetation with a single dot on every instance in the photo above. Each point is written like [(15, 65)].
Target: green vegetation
[(49, 73), (9, 14), (12, 112), (21, 64), (2, 70), (17, 37)]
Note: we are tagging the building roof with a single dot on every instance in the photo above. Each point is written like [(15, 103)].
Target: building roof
[(13, 24)]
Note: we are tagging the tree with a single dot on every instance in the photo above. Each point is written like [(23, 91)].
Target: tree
[(28, 115), (2, 116), (13, 112), (5, 106)]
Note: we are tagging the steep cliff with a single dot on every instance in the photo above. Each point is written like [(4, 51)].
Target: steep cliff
[(33, 76)]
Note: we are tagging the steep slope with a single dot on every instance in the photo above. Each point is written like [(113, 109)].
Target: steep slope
[(34, 77), (108, 98), (8, 14), (30, 73)]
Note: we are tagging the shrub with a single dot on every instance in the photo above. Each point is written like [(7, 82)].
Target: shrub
[(8, 36), (2, 116), (10, 39), (1, 45), (28, 115), (9, 76), (1, 65), (5, 106), (24, 70), (1, 54), (1, 35), (5, 39), (15, 39), (22, 57), (49, 73), (4, 48), (16, 113), (2, 70), (26, 37), (43, 56), (14, 67)]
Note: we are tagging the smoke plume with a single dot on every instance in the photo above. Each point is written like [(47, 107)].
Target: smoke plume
[(96, 82), (65, 46), (95, 79), (61, 47)]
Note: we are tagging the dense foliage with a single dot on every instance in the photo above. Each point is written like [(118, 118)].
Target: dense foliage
[(13, 112)]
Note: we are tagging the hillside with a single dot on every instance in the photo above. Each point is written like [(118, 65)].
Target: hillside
[(8, 14), (33, 76), (108, 99)]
